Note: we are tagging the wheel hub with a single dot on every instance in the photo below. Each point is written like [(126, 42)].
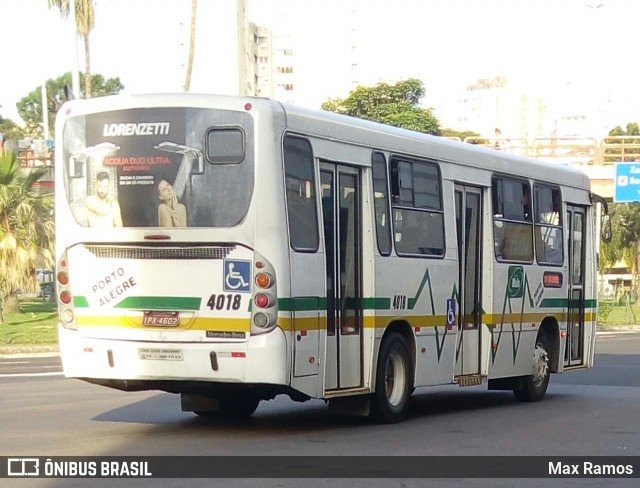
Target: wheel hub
[(540, 365)]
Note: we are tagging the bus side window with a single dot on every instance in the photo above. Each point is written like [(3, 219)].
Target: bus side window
[(381, 203), (300, 190), (417, 207), (512, 220), (548, 220)]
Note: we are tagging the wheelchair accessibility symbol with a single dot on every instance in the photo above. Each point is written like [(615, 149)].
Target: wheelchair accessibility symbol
[(237, 275), (451, 313)]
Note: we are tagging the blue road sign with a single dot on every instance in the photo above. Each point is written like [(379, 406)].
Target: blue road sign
[(627, 188)]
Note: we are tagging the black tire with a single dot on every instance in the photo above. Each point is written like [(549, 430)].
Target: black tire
[(534, 386), (240, 406), (234, 407), (394, 381)]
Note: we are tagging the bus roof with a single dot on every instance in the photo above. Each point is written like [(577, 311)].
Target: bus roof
[(395, 139), (357, 131)]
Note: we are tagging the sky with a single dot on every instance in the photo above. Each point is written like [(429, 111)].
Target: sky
[(576, 50)]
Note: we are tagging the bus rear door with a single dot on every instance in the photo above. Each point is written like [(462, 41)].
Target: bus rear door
[(575, 349), (342, 223), (468, 226)]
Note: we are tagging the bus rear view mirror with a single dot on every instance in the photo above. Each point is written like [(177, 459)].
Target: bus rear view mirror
[(605, 220)]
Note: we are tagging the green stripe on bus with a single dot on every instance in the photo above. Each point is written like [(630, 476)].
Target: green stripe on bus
[(376, 303), (150, 303), (310, 304), (564, 303), (302, 304)]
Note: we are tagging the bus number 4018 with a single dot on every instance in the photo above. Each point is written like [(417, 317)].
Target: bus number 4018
[(230, 301)]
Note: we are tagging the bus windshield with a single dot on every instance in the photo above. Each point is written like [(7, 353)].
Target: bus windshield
[(159, 167)]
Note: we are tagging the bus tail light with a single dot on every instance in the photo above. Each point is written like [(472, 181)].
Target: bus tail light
[(264, 315), (263, 280), (63, 278), (262, 300), (66, 313), (261, 319)]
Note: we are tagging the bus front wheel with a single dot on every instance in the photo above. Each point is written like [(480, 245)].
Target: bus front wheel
[(534, 386), (393, 381)]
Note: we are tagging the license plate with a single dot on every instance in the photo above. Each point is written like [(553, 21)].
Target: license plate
[(160, 354), (161, 319)]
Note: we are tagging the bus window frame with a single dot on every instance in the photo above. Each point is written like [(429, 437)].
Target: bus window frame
[(387, 202), (313, 189), (211, 158), (537, 224), (498, 250), (397, 157)]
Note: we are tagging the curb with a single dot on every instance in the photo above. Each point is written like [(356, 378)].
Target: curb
[(28, 350)]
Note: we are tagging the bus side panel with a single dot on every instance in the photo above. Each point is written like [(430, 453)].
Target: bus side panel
[(516, 318), (419, 298)]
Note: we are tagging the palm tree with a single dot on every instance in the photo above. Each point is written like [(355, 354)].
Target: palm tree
[(84, 16), (26, 229), (192, 43)]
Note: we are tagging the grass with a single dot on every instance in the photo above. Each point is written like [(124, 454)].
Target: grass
[(36, 323), (612, 313)]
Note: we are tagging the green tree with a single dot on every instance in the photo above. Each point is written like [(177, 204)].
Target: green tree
[(10, 130), (26, 229), (625, 244), (619, 249), (85, 22), (623, 149), (390, 104), (30, 107), (460, 134), (625, 217)]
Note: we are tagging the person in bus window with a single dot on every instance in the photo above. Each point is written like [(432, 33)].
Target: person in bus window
[(171, 213), (102, 209)]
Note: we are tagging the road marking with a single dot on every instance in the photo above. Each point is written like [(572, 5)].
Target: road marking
[(14, 375)]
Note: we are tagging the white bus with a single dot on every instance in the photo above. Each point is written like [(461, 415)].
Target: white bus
[(232, 249)]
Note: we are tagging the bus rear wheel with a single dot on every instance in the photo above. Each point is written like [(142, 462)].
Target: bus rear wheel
[(393, 381), (534, 386)]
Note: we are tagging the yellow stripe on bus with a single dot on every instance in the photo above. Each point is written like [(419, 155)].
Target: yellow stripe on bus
[(202, 323), (316, 323)]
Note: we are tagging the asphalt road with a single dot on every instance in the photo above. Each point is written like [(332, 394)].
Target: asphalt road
[(586, 413)]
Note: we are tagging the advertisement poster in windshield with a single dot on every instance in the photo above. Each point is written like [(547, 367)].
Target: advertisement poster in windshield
[(159, 167)]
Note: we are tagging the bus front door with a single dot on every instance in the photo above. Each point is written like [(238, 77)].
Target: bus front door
[(575, 348), (468, 226), (341, 214)]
